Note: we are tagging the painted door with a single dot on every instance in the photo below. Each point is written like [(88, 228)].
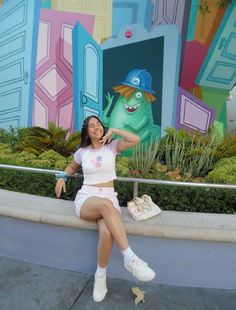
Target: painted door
[(53, 100), (101, 9), (169, 12), (205, 21), (46, 4), (132, 12), (219, 67), (19, 21), (231, 111), (192, 113), (87, 65), (192, 20)]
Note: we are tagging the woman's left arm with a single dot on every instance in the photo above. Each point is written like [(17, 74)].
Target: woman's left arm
[(129, 139)]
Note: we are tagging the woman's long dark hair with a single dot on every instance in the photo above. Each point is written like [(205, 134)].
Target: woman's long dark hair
[(85, 140)]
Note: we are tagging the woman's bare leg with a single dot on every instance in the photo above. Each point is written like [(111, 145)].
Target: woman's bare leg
[(105, 244), (95, 208)]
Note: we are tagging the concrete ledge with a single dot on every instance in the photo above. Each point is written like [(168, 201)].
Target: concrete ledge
[(175, 225)]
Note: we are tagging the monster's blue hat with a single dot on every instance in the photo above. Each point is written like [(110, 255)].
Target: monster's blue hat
[(140, 79)]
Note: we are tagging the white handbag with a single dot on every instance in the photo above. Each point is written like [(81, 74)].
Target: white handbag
[(142, 208)]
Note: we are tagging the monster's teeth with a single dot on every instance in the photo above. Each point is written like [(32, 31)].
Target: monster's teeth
[(130, 108), (137, 106)]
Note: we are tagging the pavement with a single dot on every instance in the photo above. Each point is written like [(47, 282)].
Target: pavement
[(27, 286)]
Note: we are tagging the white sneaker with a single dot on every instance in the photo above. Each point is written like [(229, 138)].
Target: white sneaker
[(140, 269), (99, 288)]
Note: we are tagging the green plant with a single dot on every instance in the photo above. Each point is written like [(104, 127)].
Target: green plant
[(201, 155), (12, 136), (144, 156), (227, 147), (225, 162), (5, 149), (176, 158), (123, 166), (224, 171), (224, 174), (54, 138), (190, 153), (176, 198)]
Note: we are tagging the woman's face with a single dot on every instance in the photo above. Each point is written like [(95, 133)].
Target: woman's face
[(95, 129)]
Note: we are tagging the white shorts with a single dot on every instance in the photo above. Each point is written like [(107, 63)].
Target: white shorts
[(87, 191)]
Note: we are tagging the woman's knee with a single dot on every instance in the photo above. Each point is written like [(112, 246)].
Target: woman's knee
[(107, 206)]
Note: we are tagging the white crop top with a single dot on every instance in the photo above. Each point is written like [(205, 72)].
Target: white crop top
[(98, 165)]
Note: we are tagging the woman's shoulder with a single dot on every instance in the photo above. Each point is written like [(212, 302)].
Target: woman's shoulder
[(79, 153), (113, 146)]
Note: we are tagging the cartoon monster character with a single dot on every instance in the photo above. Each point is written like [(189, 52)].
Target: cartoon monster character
[(132, 111)]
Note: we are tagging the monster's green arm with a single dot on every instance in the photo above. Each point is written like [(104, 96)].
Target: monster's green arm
[(105, 118)]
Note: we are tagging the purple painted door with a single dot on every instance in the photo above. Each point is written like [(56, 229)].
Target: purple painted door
[(192, 113), (53, 100)]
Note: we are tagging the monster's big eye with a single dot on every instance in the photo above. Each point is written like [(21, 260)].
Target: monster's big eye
[(138, 95)]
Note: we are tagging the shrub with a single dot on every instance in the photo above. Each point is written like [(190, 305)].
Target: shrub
[(37, 183), (227, 148), (5, 149), (178, 198), (224, 174), (123, 166), (51, 155), (42, 164), (225, 161), (174, 198)]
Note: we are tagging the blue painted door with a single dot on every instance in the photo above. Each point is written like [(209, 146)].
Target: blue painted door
[(19, 21), (46, 4), (219, 67), (128, 12), (87, 75), (192, 20)]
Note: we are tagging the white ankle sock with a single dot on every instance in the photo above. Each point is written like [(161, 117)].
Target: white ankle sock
[(128, 254), (101, 271)]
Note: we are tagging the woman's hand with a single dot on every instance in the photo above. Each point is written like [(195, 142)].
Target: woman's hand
[(60, 185), (107, 137)]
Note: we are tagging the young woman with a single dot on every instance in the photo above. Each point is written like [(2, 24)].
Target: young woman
[(97, 200)]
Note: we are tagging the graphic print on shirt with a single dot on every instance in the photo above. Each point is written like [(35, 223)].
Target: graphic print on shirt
[(97, 161)]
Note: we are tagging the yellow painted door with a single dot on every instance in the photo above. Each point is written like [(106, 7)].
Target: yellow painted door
[(101, 9), (206, 22)]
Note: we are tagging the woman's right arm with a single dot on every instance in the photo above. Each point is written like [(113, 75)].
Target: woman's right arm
[(61, 184)]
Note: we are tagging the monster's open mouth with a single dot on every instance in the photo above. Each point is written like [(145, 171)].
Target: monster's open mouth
[(132, 109)]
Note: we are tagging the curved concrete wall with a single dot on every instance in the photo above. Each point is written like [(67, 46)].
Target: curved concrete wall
[(188, 249)]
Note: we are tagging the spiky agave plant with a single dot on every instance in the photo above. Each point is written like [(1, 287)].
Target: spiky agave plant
[(144, 156)]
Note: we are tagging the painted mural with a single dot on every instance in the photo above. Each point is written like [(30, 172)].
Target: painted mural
[(133, 106), (64, 60)]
